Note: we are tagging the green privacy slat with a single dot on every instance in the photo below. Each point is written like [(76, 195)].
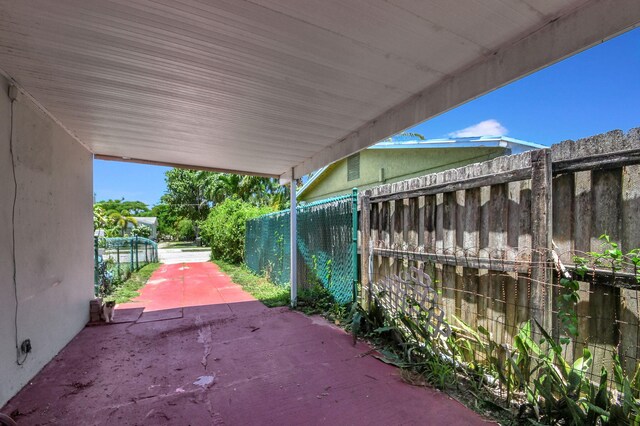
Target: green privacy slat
[(324, 246)]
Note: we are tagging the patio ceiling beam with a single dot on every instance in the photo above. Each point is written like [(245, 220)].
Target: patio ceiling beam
[(180, 166), (576, 30)]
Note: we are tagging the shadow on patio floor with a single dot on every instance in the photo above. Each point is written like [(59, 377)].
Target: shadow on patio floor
[(234, 363)]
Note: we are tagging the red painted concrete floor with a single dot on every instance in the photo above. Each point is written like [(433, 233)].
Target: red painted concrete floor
[(195, 349)]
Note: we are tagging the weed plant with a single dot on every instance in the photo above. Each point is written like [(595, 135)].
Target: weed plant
[(124, 291), (261, 288), (541, 386)]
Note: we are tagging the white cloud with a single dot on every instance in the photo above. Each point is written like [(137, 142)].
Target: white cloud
[(484, 128)]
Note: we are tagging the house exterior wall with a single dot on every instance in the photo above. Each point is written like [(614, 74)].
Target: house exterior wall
[(53, 239), (398, 164)]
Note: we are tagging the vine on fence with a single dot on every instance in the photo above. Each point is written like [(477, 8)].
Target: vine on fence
[(546, 387)]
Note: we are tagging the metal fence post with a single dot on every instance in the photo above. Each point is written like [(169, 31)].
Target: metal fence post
[(96, 278), (137, 264), (130, 255), (354, 242), (293, 213), (118, 261), (365, 235), (146, 252)]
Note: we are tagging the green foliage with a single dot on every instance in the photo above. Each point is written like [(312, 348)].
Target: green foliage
[(611, 256), (185, 231), (100, 217), (557, 391), (113, 222), (255, 190), (626, 408), (192, 194), (439, 372), (327, 255), (634, 257), (259, 287), (413, 342), (128, 289), (141, 231), (121, 220), (104, 276), (186, 195), (224, 228), (113, 232), (562, 391), (567, 302), (167, 221), (484, 359), (135, 208), (315, 300), (405, 136)]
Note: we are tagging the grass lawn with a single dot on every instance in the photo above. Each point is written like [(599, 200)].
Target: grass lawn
[(178, 244), (268, 293), (127, 290)]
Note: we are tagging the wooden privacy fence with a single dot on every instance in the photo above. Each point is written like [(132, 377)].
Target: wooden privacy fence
[(487, 235)]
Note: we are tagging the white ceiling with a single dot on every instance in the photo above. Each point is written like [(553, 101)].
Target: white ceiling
[(262, 86)]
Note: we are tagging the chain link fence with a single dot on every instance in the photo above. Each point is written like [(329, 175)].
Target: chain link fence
[(116, 258), (326, 247)]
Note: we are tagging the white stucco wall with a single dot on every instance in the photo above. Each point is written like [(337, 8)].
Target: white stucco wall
[(54, 243)]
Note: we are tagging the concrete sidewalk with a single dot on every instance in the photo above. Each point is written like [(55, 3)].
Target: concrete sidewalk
[(170, 255), (195, 349)]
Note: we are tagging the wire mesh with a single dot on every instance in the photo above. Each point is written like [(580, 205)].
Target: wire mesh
[(116, 258), (325, 246), (492, 290)]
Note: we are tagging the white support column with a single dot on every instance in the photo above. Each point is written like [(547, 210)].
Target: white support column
[(294, 243)]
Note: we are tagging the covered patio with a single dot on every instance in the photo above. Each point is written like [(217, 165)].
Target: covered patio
[(265, 87), (195, 349)]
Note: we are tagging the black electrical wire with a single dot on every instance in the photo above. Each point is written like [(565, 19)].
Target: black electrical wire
[(13, 235)]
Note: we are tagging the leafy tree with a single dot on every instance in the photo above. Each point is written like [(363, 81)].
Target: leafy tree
[(258, 191), (185, 230), (141, 231), (114, 223), (191, 194), (100, 217), (135, 208), (167, 220), (404, 136), (224, 229), (186, 194), (122, 219)]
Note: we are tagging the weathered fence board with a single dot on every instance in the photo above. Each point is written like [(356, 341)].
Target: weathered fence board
[(484, 233), (629, 306)]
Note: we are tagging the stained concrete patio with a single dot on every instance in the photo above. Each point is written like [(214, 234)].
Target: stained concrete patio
[(195, 349)]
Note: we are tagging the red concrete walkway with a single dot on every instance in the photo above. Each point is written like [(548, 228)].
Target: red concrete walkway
[(187, 285), (194, 349)]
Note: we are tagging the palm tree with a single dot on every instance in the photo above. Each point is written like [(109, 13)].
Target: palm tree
[(122, 219), (253, 189), (405, 135)]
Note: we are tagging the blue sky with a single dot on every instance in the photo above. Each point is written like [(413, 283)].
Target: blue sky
[(133, 182), (592, 92)]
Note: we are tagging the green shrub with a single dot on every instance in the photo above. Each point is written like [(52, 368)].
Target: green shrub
[(224, 228), (186, 230), (141, 231)]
